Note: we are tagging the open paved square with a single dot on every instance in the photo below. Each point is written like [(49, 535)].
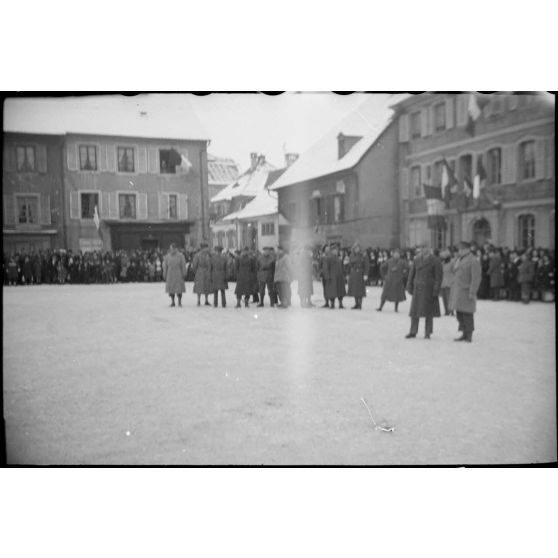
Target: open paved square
[(105, 374)]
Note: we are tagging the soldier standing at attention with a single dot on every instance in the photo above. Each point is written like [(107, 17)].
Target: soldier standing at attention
[(174, 272), (201, 266), (425, 279), (219, 276), (359, 267), (463, 295), (265, 272), (323, 260)]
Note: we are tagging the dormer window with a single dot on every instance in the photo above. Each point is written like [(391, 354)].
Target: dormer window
[(345, 144)]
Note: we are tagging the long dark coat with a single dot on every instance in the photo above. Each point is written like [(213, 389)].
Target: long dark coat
[(219, 267), (466, 281), (245, 268), (394, 284), (359, 266), (334, 279), (526, 272), (201, 267), (425, 278), (174, 271), (266, 268)]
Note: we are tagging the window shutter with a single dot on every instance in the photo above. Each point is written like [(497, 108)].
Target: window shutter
[(509, 156), (9, 158), (72, 157), (102, 158), (430, 120), (142, 206), (540, 158), (488, 110), (512, 102), (142, 159), (449, 113), (153, 160), (182, 206), (111, 157), (45, 209), (74, 205), (113, 205), (461, 109), (403, 128), (163, 206), (424, 122), (404, 183), (425, 177), (42, 158), (9, 210), (549, 157), (104, 203)]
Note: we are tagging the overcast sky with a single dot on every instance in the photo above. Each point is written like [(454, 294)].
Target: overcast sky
[(239, 124)]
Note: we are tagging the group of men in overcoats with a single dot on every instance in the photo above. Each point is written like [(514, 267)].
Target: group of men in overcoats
[(424, 284)]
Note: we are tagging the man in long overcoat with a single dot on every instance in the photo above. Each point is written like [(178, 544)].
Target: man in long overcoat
[(525, 277), (265, 272), (174, 272), (467, 276), (245, 265), (219, 283), (334, 278), (495, 274), (359, 267), (323, 259), (394, 283), (423, 284), (201, 266)]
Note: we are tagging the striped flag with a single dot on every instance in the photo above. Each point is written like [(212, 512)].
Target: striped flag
[(479, 179), (475, 107), (96, 218)]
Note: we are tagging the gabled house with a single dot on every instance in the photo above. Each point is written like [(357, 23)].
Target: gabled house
[(345, 187), (221, 172)]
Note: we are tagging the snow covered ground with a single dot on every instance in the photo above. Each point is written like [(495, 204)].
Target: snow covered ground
[(105, 374)]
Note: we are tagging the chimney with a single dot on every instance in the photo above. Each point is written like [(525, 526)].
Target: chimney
[(253, 161), (261, 160), (290, 158)]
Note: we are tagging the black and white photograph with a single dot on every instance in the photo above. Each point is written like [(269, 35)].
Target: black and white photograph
[(303, 278)]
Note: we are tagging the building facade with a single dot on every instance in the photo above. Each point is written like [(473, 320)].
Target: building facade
[(512, 142), (149, 192), (33, 192), (345, 187)]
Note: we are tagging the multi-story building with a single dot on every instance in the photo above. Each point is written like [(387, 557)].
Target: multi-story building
[(221, 172), (512, 142), (344, 188), (142, 169), (32, 187)]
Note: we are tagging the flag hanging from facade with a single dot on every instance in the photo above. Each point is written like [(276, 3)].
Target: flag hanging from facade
[(96, 219), (449, 184), (475, 107), (467, 187), (435, 206), (479, 179)]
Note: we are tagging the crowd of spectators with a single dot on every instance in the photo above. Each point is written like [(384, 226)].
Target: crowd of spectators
[(499, 267)]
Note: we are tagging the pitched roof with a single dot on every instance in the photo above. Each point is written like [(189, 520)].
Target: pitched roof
[(369, 120), (249, 183), (143, 116), (221, 171)]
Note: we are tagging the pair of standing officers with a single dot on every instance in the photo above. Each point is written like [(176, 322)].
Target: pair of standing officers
[(424, 283)]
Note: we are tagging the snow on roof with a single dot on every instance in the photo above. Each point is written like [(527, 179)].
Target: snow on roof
[(265, 203), (221, 171), (248, 183), (369, 120), (144, 116)]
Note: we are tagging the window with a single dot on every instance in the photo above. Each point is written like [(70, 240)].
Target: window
[(27, 210), (87, 157), (416, 186), (169, 159), (440, 117), (268, 229), (494, 166), (127, 204), (173, 206), (25, 158), (466, 169), (438, 167), (527, 160), (88, 203), (415, 125), (125, 159), (338, 212), (526, 229)]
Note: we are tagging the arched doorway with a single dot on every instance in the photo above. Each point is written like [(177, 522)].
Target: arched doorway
[(482, 232)]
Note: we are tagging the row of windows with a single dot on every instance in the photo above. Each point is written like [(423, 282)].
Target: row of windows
[(492, 164), (169, 159), (323, 210), (127, 204)]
